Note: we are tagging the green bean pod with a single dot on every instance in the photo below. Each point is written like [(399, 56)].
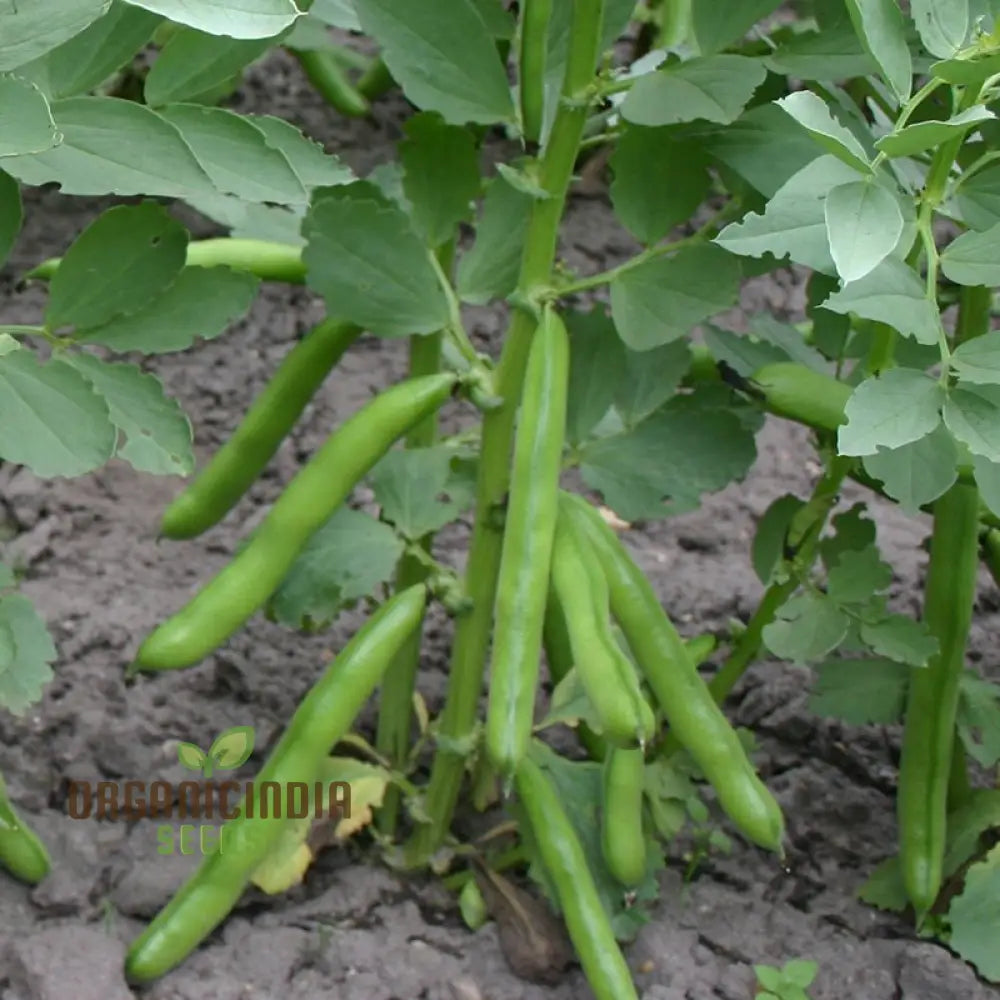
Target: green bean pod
[(622, 840), (256, 572), (605, 672), (535, 16), (530, 525), (932, 703), (329, 77), (694, 717), (21, 851), (566, 864), (237, 464), (321, 720), (809, 397), (559, 654)]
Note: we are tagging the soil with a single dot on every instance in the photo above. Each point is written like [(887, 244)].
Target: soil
[(354, 930)]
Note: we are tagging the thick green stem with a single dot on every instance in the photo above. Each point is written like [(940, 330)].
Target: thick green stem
[(457, 724), (975, 306), (268, 260), (396, 696)]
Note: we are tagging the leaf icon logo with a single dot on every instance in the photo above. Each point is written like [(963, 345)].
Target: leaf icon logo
[(191, 756), (231, 748)]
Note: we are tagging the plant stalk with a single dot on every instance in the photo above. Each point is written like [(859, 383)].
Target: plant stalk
[(457, 723), (392, 738)]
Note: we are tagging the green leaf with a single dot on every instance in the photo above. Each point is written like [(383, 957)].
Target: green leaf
[(649, 380), (8, 578), (831, 54), (26, 652), (191, 756), (979, 720), (663, 298), (788, 339), (30, 29), (861, 692), (926, 135), (717, 24), (89, 58), (973, 258), (899, 406), (114, 146), (690, 446), (864, 224), (233, 18), (522, 175), (806, 627), (764, 147), (126, 257), (988, 481), (11, 214), (236, 155), (977, 814), (901, 639), (489, 270), (202, 302), (51, 420), (314, 166), (157, 431), (967, 72), (370, 266), (891, 293), (882, 30), (714, 89), (979, 198), (916, 473), (659, 181), (743, 352), (500, 21), (768, 547), (794, 221), (853, 531), (193, 62), (596, 370), (974, 916), (943, 25), (421, 489), (973, 416), (26, 124), (336, 13), (570, 704), (857, 576), (884, 888), (440, 175), (978, 360), (232, 747), (443, 56), (344, 561), (813, 114)]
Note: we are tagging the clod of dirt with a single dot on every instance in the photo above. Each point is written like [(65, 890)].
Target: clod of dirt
[(533, 941)]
